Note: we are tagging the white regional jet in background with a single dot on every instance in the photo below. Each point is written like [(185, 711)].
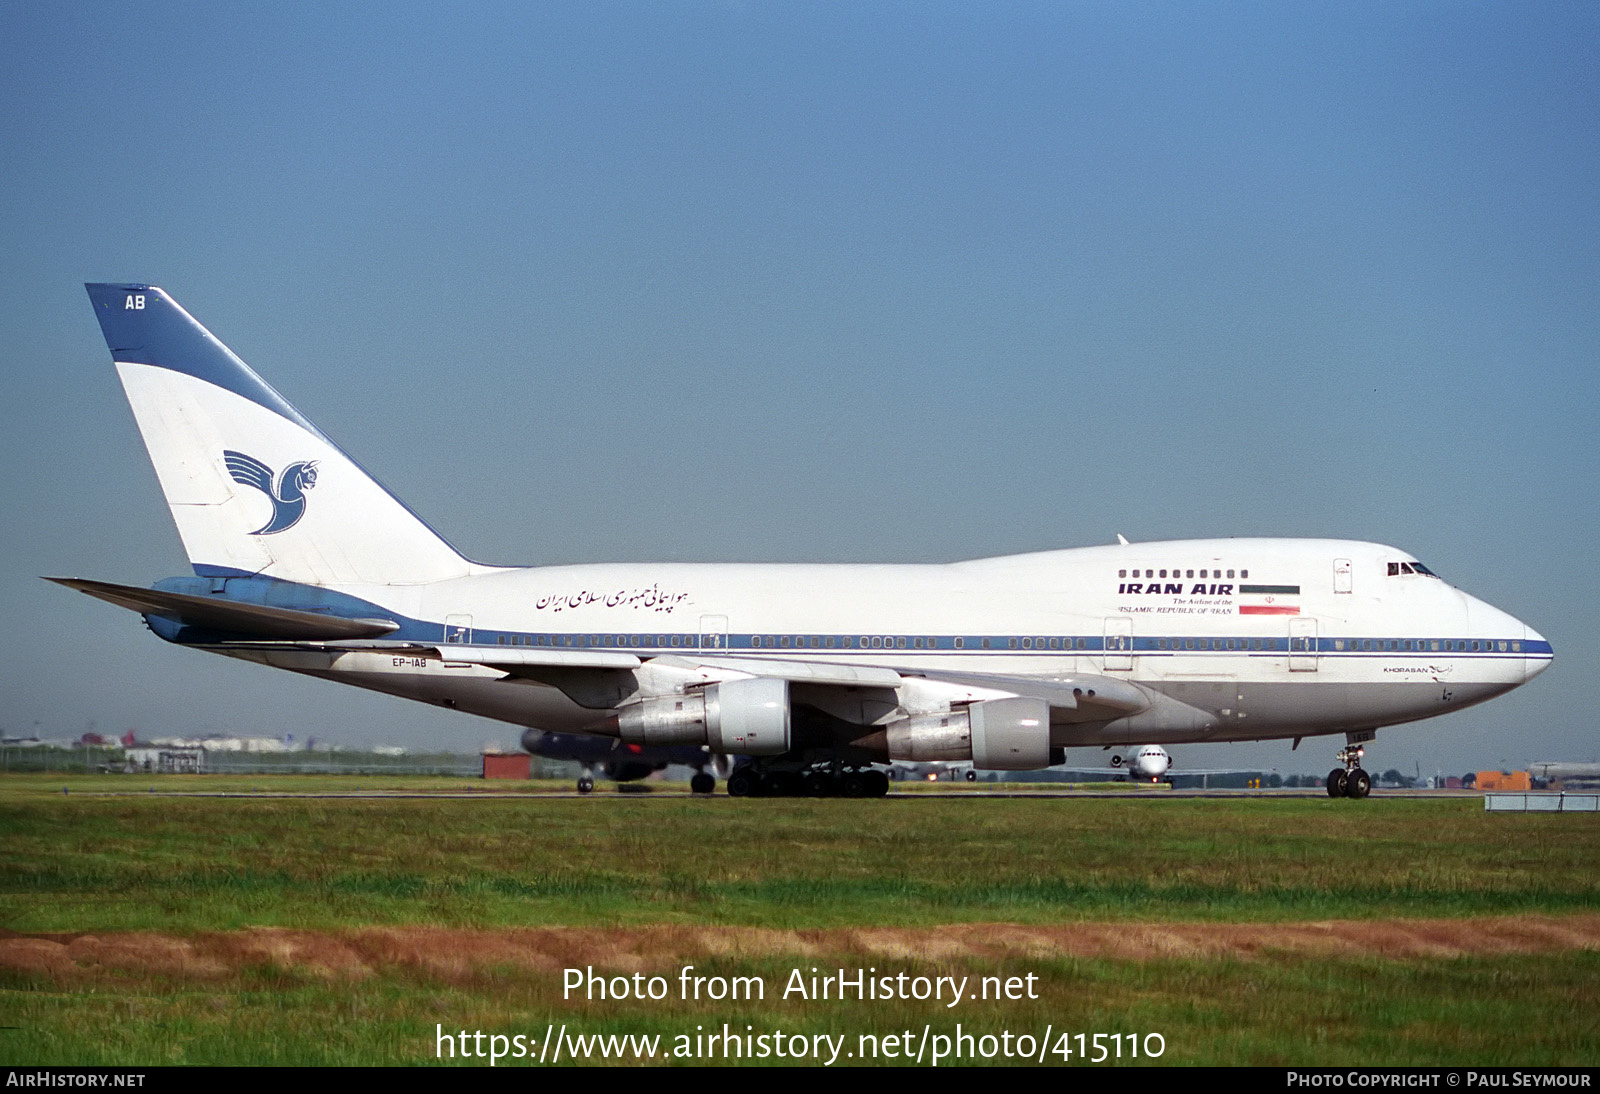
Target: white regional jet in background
[(1148, 763), (817, 672)]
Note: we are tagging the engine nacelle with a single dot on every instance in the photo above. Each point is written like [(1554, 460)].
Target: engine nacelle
[(748, 717), (672, 720), (735, 717), (998, 734), (1010, 734), (930, 738)]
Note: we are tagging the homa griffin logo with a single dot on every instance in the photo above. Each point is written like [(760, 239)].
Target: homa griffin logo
[(288, 494)]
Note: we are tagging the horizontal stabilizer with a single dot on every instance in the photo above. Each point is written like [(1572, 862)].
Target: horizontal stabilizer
[(230, 617)]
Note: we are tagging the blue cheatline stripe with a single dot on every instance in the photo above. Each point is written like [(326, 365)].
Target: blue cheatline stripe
[(286, 594), (311, 598)]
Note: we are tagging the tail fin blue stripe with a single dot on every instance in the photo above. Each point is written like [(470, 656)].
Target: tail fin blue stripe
[(145, 326)]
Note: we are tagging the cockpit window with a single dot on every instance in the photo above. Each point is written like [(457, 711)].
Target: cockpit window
[(1398, 568)]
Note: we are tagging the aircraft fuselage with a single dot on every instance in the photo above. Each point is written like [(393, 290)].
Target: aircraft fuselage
[(1297, 638)]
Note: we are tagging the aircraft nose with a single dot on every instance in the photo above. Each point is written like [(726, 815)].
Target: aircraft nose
[(1536, 653)]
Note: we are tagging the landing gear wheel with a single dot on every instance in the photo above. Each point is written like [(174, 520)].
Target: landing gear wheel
[(972, 776), (743, 783), (585, 785), (783, 784), (1352, 782), (1358, 784), (877, 784), (855, 785), (701, 783), (818, 784)]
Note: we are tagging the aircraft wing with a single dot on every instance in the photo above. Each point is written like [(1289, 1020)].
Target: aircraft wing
[(512, 662), (527, 661), (1079, 697), (1089, 694), (797, 672), (1076, 697)]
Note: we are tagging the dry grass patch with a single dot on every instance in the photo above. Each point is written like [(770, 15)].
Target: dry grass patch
[(459, 955)]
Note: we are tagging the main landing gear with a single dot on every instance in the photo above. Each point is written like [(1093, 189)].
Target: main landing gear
[(822, 781), (1349, 781)]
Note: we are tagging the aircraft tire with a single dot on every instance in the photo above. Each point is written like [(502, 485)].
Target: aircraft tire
[(701, 783), (586, 785), (1358, 785), (972, 776), (1338, 780), (854, 785), (877, 784), (743, 783), (819, 784)]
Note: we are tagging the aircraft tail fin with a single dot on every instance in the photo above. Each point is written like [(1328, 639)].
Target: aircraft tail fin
[(254, 487)]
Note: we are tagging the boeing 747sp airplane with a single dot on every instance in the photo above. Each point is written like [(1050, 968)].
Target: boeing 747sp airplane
[(816, 672)]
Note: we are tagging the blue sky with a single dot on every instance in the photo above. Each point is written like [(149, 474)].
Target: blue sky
[(852, 282)]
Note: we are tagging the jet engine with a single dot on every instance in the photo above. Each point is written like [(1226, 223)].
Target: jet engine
[(740, 717), (998, 734)]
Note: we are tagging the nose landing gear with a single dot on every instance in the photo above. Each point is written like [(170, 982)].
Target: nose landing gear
[(1349, 781)]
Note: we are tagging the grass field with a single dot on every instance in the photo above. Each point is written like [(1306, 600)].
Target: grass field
[(156, 929)]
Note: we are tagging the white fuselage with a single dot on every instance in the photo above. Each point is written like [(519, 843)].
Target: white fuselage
[(1279, 638)]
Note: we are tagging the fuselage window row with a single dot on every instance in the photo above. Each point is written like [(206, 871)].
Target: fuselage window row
[(1031, 643)]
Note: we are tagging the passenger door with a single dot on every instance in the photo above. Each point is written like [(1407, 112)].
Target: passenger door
[(1303, 644), (1118, 643)]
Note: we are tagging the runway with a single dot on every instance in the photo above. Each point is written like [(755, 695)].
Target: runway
[(930, 793)]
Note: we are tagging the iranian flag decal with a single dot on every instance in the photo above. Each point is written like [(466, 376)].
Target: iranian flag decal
[(1269, 600)]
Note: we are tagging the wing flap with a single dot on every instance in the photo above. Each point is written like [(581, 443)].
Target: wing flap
[(510, 660), (800, 672), (1088, 696)]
